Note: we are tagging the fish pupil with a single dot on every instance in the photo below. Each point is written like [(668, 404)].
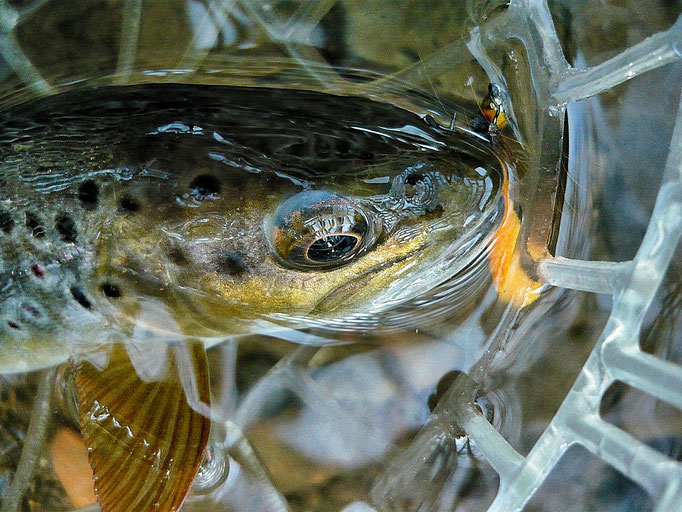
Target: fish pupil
[(412, 184), (331, 248), (415, 178)]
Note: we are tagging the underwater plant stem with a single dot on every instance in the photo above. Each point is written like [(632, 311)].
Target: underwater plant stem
[(244, 453), (251, 461), (32, 444)]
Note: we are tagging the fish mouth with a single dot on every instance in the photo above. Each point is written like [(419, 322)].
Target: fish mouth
[(337, 298)]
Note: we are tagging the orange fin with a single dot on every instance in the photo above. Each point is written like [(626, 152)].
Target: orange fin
[(145, 441), (513, 284)]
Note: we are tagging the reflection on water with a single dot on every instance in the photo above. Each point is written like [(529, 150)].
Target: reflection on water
[(138, 232)]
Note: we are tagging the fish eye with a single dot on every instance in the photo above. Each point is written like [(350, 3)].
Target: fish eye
[(332, 247), (319, 230)]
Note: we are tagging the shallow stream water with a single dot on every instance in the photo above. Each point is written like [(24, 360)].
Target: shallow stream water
[(327, 417)]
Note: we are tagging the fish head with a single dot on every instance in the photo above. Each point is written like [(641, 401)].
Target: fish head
[(219, 245)]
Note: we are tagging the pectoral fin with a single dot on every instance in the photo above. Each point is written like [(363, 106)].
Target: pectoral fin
[(145, 441)]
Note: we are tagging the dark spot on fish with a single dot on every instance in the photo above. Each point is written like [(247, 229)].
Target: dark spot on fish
[(6, 222), (34, 224), (299, 150), (231, 263), (322, 148), (111, 290), (80, 297), (88, 194), (409, 53), (343, 148), (13, 325), (66, 228), (38, 271), (579, 330), (129, 205), (178, 257), (205, 186)]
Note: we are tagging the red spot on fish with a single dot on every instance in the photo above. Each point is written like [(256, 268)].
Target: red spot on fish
[(31, 310), (38, 271)]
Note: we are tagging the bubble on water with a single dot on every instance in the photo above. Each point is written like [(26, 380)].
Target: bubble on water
[(213, 471)]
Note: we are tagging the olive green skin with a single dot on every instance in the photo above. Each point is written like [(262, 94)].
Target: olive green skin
[(182, 239)]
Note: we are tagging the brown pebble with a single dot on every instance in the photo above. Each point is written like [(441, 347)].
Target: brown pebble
[(70, 462)]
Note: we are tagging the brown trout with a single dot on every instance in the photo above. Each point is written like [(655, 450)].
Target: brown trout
[(139, 225)]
